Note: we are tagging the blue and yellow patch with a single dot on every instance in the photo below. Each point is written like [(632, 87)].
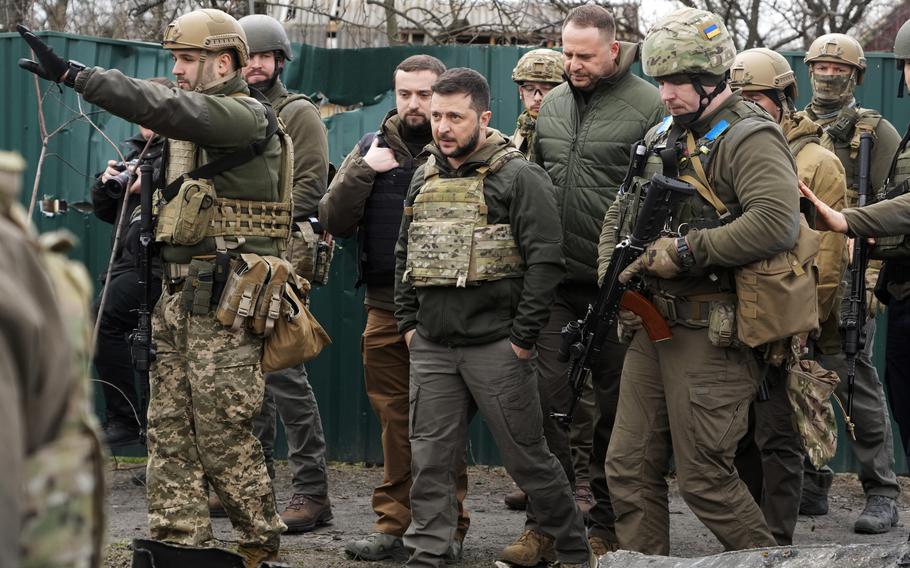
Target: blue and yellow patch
[(711, 31)]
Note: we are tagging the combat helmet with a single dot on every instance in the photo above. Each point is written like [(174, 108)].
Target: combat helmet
[(902, 53), (264, 33), (543, 65), (838, 48), (761, 69), (693, 45), (208, 30)]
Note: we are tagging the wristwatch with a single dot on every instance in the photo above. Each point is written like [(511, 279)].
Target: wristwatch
[(686, 258)]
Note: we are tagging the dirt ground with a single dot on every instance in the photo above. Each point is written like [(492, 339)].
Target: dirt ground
[(492, 525)]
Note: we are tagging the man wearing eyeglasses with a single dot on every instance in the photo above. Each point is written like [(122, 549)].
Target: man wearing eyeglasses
[(536, 73)]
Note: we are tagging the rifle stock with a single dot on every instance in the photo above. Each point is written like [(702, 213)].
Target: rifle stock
[(582, 340)]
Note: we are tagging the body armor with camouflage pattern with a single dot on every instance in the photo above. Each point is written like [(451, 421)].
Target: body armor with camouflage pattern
[(449, 240)]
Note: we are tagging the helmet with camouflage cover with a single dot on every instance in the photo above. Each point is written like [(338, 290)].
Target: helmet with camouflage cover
[(543, 65), (264, 33), (838, 48), (209, 30), (761, 69), (688, 42)]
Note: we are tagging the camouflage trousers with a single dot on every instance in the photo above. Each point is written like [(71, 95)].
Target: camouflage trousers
[(206, 388)]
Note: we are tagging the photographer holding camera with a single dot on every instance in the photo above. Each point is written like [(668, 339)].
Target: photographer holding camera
[(115, 188)]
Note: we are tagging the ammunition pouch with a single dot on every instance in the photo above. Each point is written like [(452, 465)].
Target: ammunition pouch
[(197, 293), (248, 276), (722, 324), (185, 219), (310, 253), (297, 336)]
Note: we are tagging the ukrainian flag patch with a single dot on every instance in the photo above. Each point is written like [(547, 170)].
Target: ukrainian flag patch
[(711, 31)]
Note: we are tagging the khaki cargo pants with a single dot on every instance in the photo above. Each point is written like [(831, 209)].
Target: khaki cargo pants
[(690, 399), (447, 385)]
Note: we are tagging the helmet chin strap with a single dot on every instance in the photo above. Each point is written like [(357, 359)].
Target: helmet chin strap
[(902, 83), (704, 100)]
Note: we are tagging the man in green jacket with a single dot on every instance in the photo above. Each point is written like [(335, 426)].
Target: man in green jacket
[(366, 199), (585, 130), (689, 395), (837, 65), (478, 258), (288, 392), (206, 384)]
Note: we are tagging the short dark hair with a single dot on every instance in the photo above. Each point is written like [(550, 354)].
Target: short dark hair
[(592, 16), (420, 62), (462, 80)]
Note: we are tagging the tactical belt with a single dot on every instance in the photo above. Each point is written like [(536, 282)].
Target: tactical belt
[(693, 310), (174, 271)]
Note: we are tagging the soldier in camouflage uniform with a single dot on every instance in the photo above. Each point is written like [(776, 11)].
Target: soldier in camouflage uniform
[(52, 489), (889, 217), (536, 73), (288, 392), (206, 384), (765, 78), (477, 261), (689, 396), (836, 66)]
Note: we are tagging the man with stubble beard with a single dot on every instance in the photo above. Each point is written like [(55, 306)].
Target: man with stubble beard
[(365, 198)]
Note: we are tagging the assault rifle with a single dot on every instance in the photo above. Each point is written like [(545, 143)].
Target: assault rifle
[(142, 348), (582, 340), (853, 317)]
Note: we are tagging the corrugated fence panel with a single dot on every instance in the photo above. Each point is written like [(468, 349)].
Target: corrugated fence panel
[(343, 76)]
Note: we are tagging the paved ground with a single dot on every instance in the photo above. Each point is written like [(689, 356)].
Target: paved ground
[(492, 525)]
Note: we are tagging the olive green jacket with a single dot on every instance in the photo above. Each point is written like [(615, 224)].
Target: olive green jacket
[(216, 123), (584, 146), (882, 219), (311, 149), (823, 173), (342, 208), (752, 172), (519, 194)]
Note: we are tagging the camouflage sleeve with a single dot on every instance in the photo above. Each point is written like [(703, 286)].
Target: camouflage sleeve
[(311, 155), (887, 140), (406, 303), (885, 218), (830, 185), (341, 209), (538, 233), (209, 121), (758, 166), (607, 240)]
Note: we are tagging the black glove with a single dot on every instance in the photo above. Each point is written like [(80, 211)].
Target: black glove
[(49, 65)]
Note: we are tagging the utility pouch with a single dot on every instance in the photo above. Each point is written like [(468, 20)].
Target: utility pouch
[(777, 297), (268, 305), (297, 337), (809, 388), (196, 294), (311, 253), (249, 274), (722, 324), (185, 219)]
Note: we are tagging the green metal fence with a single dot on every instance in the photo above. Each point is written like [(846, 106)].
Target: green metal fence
[(346, 77)]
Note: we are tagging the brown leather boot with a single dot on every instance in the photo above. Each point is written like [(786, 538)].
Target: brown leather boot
[(253, 556), (306, 512), (216, 509), (529, 549)]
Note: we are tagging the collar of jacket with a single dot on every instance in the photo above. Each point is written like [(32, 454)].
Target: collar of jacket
[(628, 54), (797, 126), (705, 122), (391, 131), (495, 142), (234, 85), (136, 143), (277, 91)]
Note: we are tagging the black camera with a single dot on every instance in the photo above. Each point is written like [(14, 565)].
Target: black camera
[(117, 185)]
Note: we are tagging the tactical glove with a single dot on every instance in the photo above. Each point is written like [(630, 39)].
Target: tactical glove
[(49, 66), (660, 259)]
